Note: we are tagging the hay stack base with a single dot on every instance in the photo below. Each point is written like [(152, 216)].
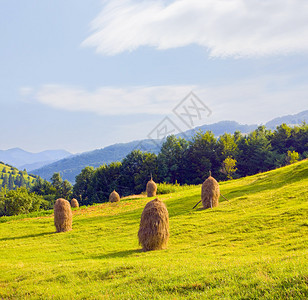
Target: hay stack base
[(151, 188), (74, 203), (154, 226), (114, 197), (63, 215), (210, 193)]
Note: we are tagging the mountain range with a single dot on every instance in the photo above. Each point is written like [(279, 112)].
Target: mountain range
[(22, 159), (46, 163)]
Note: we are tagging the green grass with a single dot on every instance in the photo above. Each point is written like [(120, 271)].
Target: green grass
[(252, 247)]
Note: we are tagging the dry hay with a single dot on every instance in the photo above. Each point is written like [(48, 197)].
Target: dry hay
[(210, 193), (151, 188), (74, 203), (153, 232), (63, 215), (114, 197)]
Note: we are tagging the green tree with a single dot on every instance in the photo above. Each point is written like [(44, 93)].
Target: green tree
[(43, 187), (66, 189), (280, 139), (227, 146), (11, 182), (18, 201), (17, 181), (255, 153), (148, 168), (292, 157), (82, 186), (170, 160), (104, 180), (56, 180), (22, 181), (228, 167), (5, 181), (202, 157)]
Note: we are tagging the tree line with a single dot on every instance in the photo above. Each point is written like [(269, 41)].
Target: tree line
[(178, 162), (189, 162)]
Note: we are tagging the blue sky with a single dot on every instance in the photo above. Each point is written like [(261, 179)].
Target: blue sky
[(80, 75)]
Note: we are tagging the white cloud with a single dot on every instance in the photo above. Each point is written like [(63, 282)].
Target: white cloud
[(247, 101), (113, 101), (224, 27)]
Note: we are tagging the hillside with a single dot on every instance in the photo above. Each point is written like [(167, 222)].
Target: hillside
[(18, 178), (253, 246), (22, 159)]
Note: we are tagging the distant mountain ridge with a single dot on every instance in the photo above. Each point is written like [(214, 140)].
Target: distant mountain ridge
[(220, 128), (289, 120), (22, 159), (72, 166)]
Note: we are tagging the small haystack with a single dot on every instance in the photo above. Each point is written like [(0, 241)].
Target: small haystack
[(74, 203), (154, 226), (210, 192), (151, 188), (63, 215), (114, 197)]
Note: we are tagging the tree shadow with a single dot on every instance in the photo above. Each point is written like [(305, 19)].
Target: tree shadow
[(26, 236)]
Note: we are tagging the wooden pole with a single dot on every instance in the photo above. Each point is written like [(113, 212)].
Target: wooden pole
[(196, 204), (224, 197)]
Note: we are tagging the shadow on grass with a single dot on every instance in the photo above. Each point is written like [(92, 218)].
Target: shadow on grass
[(26, 236), (118, 254)]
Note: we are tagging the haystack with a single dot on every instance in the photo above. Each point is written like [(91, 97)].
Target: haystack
[(114, 197), (63, 215), (154, 226), (210, 193), (151, 188), (74, 203)]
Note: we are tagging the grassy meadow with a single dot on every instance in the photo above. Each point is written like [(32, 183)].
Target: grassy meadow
[(254, 246)]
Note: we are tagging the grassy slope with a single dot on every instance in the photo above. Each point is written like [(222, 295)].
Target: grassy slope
[(10, 170), (253, 247)]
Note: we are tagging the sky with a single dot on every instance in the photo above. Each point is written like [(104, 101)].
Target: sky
[(81, 75)]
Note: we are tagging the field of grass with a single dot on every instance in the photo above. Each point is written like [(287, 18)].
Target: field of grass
[(254, 246)]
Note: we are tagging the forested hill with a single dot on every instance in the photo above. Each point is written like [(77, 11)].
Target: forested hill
[(12, 178), (72, 166)]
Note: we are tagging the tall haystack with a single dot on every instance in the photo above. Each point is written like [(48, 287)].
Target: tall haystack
[(151, 188), (210, 192), (74, 203), (154, 226), (114, 197), (63, 215)]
